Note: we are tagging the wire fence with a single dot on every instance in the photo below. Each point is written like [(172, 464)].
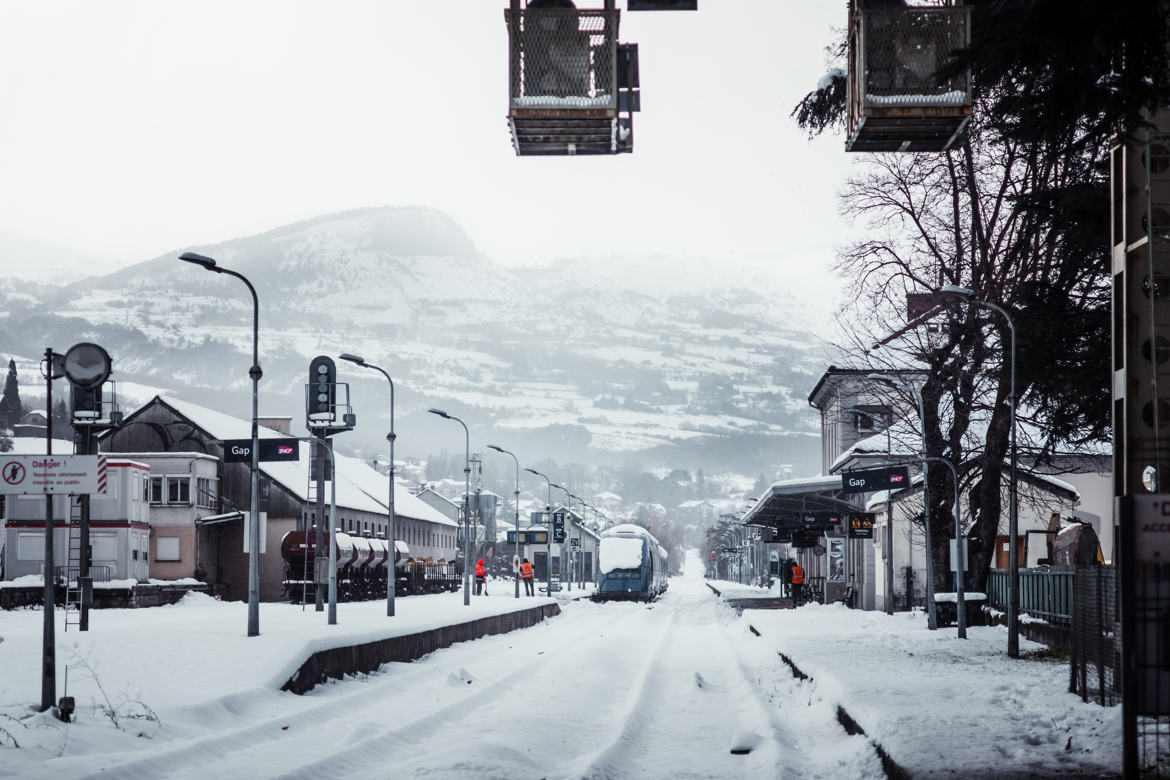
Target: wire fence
[(904, 48), (563, 58), (1094, 671)]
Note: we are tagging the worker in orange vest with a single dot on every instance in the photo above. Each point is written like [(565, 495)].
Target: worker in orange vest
[(526, 575), (797, 583), (480, 578)]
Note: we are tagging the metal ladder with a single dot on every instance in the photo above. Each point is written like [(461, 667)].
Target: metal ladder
[(73, 565), (309, 574)]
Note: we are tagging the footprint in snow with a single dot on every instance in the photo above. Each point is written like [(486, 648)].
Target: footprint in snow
[(462, 678)]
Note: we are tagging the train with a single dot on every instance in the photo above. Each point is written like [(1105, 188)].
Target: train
[(361, 568), (632, 564)]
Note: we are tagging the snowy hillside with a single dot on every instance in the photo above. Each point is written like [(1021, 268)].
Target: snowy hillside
[(674, 360)]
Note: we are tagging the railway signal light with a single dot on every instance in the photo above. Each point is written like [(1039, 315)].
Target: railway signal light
[(322, 389), (87, 403)]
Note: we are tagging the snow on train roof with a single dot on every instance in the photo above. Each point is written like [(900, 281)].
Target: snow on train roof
[(628, 529), (620, 552)]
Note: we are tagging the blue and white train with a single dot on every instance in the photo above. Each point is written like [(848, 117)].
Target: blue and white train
[(632, 564)]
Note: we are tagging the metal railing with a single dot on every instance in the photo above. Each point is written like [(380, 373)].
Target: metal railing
[(67, 574), (563, 58), (1045, 592)]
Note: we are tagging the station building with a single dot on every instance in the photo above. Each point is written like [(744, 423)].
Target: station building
[(202, 502)]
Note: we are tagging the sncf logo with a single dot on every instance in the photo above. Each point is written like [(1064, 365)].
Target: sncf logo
[(284, 449), (897, 479)]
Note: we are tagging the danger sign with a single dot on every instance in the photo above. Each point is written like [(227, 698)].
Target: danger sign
[(63, 474), (1152, 529)]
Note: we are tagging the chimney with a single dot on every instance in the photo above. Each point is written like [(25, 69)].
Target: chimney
[(278, 424)]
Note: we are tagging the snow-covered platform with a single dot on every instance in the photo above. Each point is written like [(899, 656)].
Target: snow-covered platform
[(198, 649)]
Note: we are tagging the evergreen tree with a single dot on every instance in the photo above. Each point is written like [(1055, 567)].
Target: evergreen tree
[(62, 423), (10, 406)]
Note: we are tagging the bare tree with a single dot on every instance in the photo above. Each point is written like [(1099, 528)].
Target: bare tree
[(986, 217)]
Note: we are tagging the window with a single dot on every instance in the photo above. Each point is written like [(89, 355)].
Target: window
[(30, 547), (205, 491), (166, 548), (179, 490), (170, 490)]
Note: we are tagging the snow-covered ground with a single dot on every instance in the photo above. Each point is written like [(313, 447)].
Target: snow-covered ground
[(604, 690)]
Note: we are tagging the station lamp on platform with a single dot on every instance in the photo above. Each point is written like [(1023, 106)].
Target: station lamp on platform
[(467, 506), (254, 373), (1013, 511), (390, 437)]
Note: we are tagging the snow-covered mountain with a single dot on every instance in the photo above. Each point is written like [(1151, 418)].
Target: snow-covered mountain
[(679, 361)]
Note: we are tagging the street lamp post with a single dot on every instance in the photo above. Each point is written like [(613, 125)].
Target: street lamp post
[(931, 610), (390, 524), (466, 504), (548, 530), (254, 508), (1013, 502), (568, 533), (516, 496)]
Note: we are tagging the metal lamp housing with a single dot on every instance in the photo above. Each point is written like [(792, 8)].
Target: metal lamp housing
[(87, 365)]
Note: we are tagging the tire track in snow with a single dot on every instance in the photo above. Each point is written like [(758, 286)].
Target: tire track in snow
[(356, 756), (214, 752), (693, 675)]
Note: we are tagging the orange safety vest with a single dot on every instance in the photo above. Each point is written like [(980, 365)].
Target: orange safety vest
[(479, 572), (797, 575), (526, 570)]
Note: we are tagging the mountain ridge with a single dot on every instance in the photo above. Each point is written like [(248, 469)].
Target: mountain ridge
[(574, 359)]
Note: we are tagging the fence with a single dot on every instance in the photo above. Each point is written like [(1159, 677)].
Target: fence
[(563, 58), (1045, 593), (1095, 669)]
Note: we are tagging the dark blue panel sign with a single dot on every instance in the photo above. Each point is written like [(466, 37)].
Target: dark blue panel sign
[(240, 450), (872, 480)]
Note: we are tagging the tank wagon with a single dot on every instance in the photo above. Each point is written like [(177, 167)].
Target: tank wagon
[(362, 568), (632, 564)]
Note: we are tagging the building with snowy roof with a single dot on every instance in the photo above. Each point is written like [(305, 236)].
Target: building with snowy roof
[(208, 519), (866, 425)]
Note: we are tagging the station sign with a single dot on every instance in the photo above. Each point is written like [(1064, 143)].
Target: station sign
[(240, 450), (52, 474), (872, 480), (558, 524), (861, 525), (820, 521), (528, 537)]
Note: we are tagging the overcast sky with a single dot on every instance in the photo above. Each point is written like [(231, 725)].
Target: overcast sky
[(132, 128)]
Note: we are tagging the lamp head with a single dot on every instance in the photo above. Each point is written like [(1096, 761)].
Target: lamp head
[(956, 290), (496, 448), (534, 471), (884, 379), (361, 361), (201, 260), (439, 412)]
